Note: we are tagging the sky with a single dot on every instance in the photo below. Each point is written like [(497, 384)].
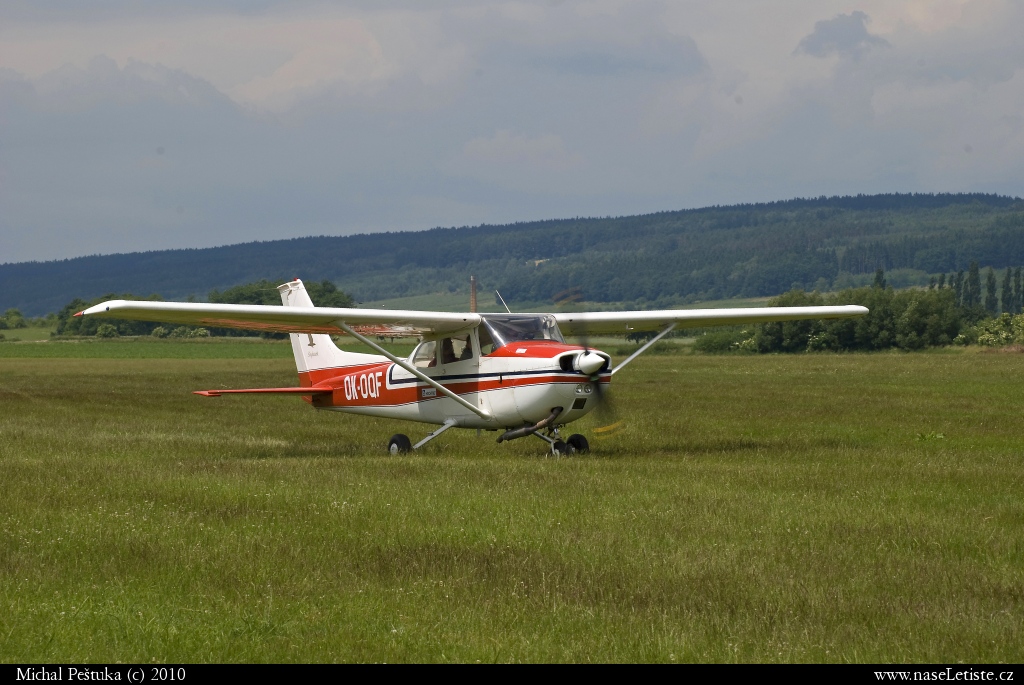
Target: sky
[(131, 125)]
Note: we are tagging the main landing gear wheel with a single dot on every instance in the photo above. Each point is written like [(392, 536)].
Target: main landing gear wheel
[(399, 444), (578, 443)]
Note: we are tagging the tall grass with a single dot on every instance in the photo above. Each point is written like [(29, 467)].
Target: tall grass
[(813, 508)]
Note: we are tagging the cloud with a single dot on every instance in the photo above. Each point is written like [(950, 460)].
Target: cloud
[(662, 54), (845, 34), (504, 149), (515, 162), (102, 81)]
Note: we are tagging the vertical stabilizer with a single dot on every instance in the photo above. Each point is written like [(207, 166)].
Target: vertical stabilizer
[(316, 351)]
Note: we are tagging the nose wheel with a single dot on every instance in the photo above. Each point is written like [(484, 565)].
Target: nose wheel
[(578, 443), (575, 444)]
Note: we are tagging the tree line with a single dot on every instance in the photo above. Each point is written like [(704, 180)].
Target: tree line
[(959, 309), (658, 259)]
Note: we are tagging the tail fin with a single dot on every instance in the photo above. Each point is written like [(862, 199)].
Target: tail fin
[(316, 351)]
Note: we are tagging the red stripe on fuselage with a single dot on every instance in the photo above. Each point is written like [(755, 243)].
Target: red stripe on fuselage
[(368, 385)]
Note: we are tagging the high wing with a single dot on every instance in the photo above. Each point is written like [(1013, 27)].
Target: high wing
[(610, 323), (390, 322), (398, 323)]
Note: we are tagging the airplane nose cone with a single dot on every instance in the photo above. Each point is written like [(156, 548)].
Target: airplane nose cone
[(589, 362)]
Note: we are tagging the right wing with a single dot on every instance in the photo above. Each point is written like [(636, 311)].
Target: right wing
[(609, 323), (258, 317)]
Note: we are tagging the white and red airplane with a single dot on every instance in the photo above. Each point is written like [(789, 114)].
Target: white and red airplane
[(510, 372)]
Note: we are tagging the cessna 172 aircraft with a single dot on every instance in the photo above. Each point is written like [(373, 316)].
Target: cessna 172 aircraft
[(510, 372)]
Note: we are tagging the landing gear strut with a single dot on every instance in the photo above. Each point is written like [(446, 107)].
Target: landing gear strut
[(400, 444)]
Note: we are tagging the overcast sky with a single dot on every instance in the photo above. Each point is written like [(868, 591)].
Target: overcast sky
[(131, 125)]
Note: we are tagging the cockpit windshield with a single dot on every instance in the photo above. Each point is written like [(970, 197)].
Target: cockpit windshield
[(503, 329)]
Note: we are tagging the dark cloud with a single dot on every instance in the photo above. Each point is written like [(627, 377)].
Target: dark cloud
[(846, 34)]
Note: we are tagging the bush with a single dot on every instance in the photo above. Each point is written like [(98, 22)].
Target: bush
[(14, 319), (717, 342), (106, 330), (999, 332), (160, 332), (199, 333)]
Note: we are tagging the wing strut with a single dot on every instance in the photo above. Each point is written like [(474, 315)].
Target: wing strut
[(643, 349), (414, 371)]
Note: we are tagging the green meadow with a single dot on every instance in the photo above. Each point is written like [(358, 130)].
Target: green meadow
[(825, 508)]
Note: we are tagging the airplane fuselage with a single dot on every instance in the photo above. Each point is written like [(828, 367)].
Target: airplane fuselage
[(516, 384)]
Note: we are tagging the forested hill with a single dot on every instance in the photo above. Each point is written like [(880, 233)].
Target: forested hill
[(667, 257)]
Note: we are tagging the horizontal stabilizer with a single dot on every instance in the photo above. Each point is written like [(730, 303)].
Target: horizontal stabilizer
[(279, 391)]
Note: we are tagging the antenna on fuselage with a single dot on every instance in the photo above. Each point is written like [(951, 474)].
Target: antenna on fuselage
[(503, 301), (472, 294)]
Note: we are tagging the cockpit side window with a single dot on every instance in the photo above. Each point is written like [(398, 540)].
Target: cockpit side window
[(462, 348), (425, 357), (444, 351)]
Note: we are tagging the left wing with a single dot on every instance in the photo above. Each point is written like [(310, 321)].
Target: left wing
[(258, 317), (610, 323)]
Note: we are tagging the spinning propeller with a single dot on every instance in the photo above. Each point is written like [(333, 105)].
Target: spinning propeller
[(590, 363)]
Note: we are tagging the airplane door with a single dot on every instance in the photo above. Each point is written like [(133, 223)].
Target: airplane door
[(499, 396), (458, 360)]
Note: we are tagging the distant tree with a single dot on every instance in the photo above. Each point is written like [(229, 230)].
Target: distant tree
[(1006, 294), (1018, 293), (972, 291), (326, 294), (905, 319), (13, 319), (931, 283), (879, 279), (69, 324), (257, 292), (959, 287), (991, 301), (942, 281), (323, 294)]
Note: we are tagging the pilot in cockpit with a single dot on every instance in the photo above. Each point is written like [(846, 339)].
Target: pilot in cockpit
[(448, 352)]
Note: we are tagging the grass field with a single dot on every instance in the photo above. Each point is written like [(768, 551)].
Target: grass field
[(34, 333), (754, 508)]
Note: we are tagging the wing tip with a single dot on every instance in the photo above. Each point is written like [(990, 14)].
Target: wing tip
[(206, 393)]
